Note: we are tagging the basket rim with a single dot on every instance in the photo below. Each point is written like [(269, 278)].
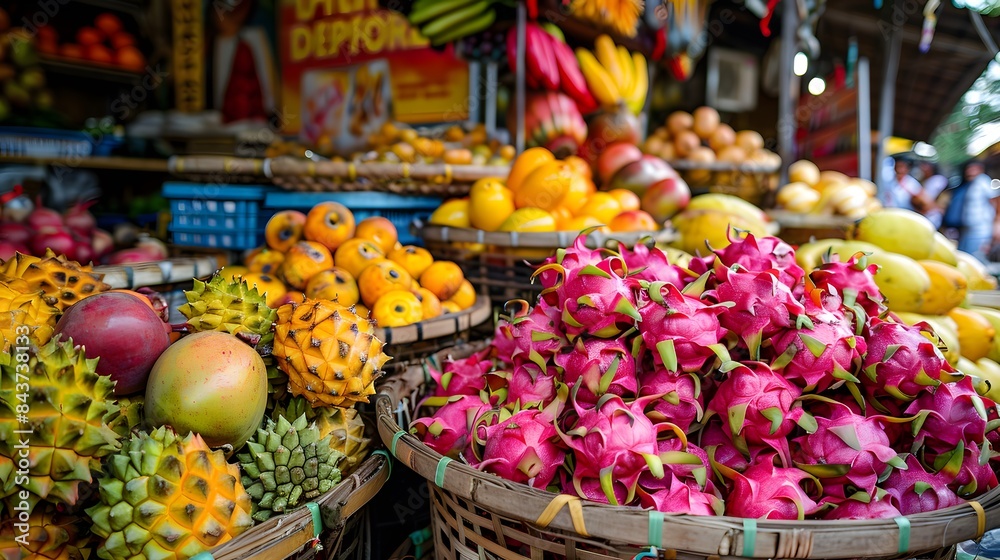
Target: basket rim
[(536, 240), (688, 165), (638, 527), (440, 326), (787, 219), (295, 529)]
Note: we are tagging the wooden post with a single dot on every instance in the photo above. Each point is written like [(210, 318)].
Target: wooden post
[(887, 106), (863, 83), (786, 101), (520, 86), (492, 83)]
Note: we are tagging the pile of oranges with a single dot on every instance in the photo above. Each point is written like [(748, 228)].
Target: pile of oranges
[(544, 194), (326, 255)]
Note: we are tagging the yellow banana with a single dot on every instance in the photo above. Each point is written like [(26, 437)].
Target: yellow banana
[(607, 54), (637, 100), (599, 81), (628, 72)]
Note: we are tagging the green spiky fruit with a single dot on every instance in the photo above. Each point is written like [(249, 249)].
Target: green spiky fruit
[(344, 426), (163, 496), (288, 464), (65, 402), (232, 307), (50, 535), (127, 416), (277, 383)]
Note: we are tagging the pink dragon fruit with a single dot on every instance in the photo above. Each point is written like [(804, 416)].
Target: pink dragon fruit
[(767, 254), (854, 280), (765, 491), (529, 386), (523, 448), (862, 505), (915, 490), (672, 495), (901, 362), (595, 299), (846, 448), (447, 431), (720, 447), (598, 366), (822, 354), (758, 407), (761, 306), (463, 377), (613, 444), (652, 265), (953, 413), (574, 257), (683, 330), (967, 468), (679, 396), (529, 334)]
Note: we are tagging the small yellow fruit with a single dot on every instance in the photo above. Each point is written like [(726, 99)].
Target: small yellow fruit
[(397, 308), (465, 297), (490, 203), (429, 302), (975, 333), (529, 220), (270, 287), (449, 306), (601, 206), (452, 213), (381, 278), (335, 284), (414, 259), (232, 272)]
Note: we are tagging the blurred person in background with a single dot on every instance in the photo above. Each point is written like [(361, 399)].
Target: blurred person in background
[(972, 210), (901, 188), (933, 183)]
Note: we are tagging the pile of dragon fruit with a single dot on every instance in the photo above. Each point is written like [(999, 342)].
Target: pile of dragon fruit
[(737, 385)]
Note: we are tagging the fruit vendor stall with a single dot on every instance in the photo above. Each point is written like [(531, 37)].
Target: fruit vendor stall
[(496, 279)]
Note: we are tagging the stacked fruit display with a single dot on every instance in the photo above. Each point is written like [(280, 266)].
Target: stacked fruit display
[(702, 137), (545, 194), (551, 67), (615, 76), (128, 433), (325, 255), (811, 191), (925, 279), (105, 43), (21, 78), (450, 20), (737, 384), (622, 16)]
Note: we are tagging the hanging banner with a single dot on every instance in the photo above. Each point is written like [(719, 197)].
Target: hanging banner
[(347, 66)]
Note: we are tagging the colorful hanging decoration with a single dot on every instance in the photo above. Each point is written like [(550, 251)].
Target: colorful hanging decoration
[(930, 23)]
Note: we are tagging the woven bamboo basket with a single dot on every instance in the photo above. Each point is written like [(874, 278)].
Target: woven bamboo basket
[(318, 176), (336, 527), (500, 264), (797, 228), (412, 344), (753, 182), (479, 515)]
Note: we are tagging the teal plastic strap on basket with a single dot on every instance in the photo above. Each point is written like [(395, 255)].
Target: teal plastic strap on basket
[(904, 533), (317, 519), (651, 553), (749, 537), (656, 529), (388, 459), (439, 472), (395, 440), (203, 556)]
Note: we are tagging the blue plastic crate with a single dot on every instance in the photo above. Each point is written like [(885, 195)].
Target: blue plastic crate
[(401, 210), (217, 216)]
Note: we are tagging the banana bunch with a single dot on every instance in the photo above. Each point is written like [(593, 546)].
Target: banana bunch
[(614, 75), (445, 21), (621, 16)]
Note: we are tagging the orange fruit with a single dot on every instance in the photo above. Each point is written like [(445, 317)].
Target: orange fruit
[(336, 285), (633, 220), (380, 279), (303, 261), (266, 262), (429, 302), (268, 286), (581, 167), (449, 307), (412, 258), (87, 36), (121, 40), (546, 186), (601, 206), (99, 54), (379, 231), (329, 223), (71, 50), (580, 191), (580, 223), (293, 296), (443, 279), (284, 229), (130, 58), (397, 308), (354, 255), (490, 202), (108, 23), (626, 198), (526, 163), (465, 297)]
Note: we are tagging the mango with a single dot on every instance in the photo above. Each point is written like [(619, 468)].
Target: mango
[(901, 280), (976, 334), (529, 220), (698, 227), (897, 230), (730, 205), (948, 288), (989, 385), (810, 255), (993, 316), (944, 327), (944, 250), (974, 270), (452, 213)]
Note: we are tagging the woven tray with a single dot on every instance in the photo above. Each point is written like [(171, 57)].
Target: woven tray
[(316, 176), (342, 529), (500, 264), (475, 511)]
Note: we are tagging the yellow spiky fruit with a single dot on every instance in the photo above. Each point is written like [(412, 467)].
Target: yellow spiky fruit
[(58, 277), (51, 535), (330, 354), (32, 310)]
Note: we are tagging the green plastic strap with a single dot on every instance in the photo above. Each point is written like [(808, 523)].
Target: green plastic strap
[(656, 529), (749, 537), (203, 556), (439, 472), (388, 459), (904, 533), (395, 440), (317, 519)]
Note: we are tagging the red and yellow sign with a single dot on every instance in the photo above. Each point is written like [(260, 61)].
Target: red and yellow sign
[(318, 37)]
